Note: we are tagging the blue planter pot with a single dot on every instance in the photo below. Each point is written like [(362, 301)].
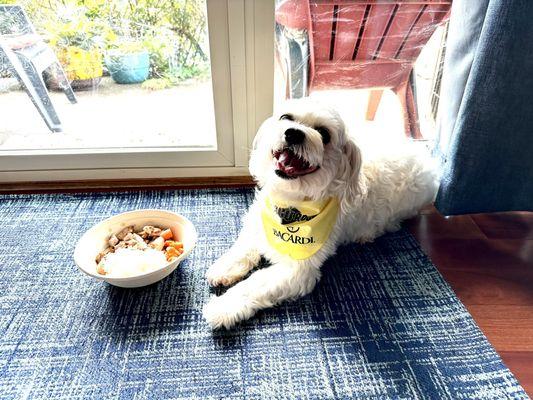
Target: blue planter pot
[(128, 68)]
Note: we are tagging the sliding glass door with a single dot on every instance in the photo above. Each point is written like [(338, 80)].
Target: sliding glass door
[(160, 87)]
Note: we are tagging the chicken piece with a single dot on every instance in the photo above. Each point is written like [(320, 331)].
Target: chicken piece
[(100, 269), (151, 231), (113, 240), (157, 243), (103, 253), (124, 232), (128, 237), (121, 245), (139, 242), (127, 242), (132, 241)]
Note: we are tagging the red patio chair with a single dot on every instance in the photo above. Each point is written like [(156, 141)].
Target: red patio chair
[(359, 44)]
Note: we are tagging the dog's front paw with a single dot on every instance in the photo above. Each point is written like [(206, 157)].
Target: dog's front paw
[(225, 311), (226, 272)]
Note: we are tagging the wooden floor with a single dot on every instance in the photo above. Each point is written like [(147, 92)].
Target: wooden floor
[(488, 261)]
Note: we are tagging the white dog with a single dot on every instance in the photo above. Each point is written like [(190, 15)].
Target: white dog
[(315, 193)]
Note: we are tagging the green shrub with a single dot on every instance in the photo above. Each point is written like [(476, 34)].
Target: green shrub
[(173, 31), (157, 84)]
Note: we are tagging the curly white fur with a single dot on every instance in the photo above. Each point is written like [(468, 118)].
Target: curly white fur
[(374, 196)]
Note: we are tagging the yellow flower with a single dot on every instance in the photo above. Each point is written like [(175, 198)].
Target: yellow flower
[(81, 64)]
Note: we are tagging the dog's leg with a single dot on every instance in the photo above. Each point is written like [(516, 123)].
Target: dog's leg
[(263, 289), (236, 263)]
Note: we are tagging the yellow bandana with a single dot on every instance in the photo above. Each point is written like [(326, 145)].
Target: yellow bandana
[(299, 229)]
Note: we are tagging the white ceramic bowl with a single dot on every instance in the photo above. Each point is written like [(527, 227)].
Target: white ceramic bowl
[(95, 240)]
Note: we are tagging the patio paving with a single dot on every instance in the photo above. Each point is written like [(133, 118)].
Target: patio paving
[(112, 116)]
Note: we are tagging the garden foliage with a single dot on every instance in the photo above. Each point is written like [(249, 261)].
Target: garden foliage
[(174, 32)]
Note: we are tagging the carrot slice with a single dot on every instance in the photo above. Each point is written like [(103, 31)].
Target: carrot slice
[(171, 252), (172, 243), (167, 234), (100, 269)]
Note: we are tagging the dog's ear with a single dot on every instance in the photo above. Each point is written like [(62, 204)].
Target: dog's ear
[(353, 183)]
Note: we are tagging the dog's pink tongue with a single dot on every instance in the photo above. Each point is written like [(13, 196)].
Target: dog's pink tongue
[(289, 162), (284, 159)]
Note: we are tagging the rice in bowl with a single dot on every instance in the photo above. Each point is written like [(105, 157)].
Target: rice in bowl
[(126, 262)]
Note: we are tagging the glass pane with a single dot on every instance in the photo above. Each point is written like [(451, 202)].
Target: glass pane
[(340, 53), (139, 70)]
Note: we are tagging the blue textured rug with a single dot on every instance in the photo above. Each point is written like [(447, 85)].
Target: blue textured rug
[(382, 323)]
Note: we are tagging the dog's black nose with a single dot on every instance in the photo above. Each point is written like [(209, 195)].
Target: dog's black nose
[(294, 136)]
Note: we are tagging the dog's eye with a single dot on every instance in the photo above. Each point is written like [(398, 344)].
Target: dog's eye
[(326, 137), (287, 117)]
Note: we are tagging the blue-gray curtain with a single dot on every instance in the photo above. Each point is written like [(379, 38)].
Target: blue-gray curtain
[(485, 136)]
